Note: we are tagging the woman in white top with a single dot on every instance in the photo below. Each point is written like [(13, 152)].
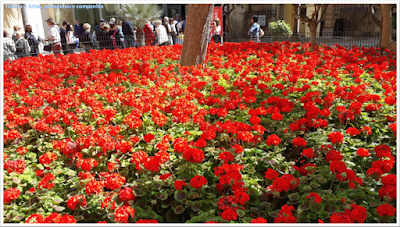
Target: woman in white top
[(161, 34), (169, 30), (72, 41), (216, 31), (174, 33)]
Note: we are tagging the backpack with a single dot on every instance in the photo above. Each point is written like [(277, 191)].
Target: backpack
[(27, 47), (27, 43)]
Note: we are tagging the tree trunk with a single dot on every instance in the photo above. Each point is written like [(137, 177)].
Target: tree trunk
[(313, 33), (386, 41), (24, 14), (140, 40), (227, 14), (197, 31)]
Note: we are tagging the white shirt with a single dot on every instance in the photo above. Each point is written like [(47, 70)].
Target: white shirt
[(54, 31), (172, 28), (217, 31), (179, 27), (162, 34)]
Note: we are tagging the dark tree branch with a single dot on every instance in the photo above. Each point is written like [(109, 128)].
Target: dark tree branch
[(323, 13), (371, 11)]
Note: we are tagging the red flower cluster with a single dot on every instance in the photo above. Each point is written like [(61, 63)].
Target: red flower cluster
[(11, 194), (389, 188), (198, 181), (386, 209), (52, 218), (273, 140), (17, 166), (78, 200), (285, 183), (47, 181), (122, 214), (178, 184), (127, 194), (357, 213), (286, 215), (335, 137)]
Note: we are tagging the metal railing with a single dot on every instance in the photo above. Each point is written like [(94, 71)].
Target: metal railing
[(120, 42), (98, 43), (325, 37)]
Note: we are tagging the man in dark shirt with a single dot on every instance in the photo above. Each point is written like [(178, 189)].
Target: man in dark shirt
[(104, 38), (63, 34), (97, 27), (96, 31), (77, 28), (127, 30)]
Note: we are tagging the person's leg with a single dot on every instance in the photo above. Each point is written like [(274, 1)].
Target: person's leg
[(64, 48), (56, 48), (128, 41)]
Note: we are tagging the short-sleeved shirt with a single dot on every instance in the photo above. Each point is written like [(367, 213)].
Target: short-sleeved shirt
[(54, 31)]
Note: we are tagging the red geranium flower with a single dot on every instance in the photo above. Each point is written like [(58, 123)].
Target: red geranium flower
[(386, 209), (363, 152), (317, 198), (335, 137), (198, 181), (273, 140)]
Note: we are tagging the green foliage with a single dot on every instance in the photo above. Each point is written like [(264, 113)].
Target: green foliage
[(138, 14), (279, 28)]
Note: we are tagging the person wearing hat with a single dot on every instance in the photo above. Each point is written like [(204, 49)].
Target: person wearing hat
[(54, 36)]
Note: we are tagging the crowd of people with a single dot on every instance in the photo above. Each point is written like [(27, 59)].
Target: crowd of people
[(106, 35)]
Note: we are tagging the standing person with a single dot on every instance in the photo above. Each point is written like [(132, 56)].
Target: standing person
[(254, 31), (77, 28), (54, 36), (97, 27), (33, 42), (216, 31), (14, 35), (21, 45), (179, 25), (99, 38), (148, 34), (8, 47), (72, 41), (169, 30), (183, 24), (176, 18), (127, 30), (116, 36), (105, 41), (63, 34), (162, 34), (86, 38), (174, 33), (134, 35), (96, 31)]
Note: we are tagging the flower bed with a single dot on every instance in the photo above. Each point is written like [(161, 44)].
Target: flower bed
[(262, 133)]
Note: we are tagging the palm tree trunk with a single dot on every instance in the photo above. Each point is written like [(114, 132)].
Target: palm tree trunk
[(24, 13), (140, 39)]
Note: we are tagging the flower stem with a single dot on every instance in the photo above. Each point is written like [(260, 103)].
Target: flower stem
[(332, 182)]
